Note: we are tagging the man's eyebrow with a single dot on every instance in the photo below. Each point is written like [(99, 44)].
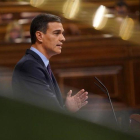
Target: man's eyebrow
[(58, 31)]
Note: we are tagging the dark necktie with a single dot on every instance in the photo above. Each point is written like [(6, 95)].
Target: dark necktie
[(49, 70)]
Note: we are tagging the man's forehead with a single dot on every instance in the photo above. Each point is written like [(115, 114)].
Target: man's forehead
[(55, 26)]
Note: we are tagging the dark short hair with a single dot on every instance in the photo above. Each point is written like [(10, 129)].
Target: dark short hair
[(121, 4), (40, 23)]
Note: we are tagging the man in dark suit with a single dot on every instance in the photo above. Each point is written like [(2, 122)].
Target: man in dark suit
[(33, 79)]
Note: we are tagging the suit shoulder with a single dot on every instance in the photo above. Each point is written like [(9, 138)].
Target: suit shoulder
[(27, 61)]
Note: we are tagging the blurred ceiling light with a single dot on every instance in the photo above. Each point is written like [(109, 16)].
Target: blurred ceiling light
[(107, 35), (99, 20), (70, 8), (126, 28), (36, 3), (109, 15)]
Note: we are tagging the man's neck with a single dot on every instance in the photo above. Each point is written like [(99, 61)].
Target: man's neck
[(42, 56), (40, 48)]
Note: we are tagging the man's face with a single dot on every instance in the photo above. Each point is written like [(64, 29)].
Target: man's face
[(53, 40)]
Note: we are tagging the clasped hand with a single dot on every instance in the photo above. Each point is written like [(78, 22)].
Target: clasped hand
[(74, 103)]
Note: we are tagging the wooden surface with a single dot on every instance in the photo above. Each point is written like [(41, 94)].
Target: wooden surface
[(16, 7), (115, 62)]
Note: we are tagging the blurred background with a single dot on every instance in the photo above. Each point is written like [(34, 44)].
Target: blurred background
[(102, 40)]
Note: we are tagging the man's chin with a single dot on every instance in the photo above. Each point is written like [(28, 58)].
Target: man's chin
[(59, 51), (56, 53)]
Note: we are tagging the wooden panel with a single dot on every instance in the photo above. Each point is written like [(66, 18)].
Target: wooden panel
[(88, 50), (136, 72), (134, 50), (11, 53), (111, 76), (84, 57), (16, 7)]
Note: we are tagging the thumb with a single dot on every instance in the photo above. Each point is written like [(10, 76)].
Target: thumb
[(69, 93)]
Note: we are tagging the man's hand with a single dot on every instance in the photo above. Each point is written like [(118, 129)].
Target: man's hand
[(74, 103)]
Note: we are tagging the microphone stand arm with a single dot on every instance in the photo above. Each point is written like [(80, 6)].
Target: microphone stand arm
[(106, 92)]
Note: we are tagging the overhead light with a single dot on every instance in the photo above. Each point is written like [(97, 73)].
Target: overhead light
[(109, 15), (70, 8), (126, 28), (36, 3), (107, 35), (99, 20)]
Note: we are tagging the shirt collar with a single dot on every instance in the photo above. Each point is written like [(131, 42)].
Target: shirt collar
[(44, 59)]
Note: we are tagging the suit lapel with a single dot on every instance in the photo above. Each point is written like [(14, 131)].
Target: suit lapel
[(53, 84), (59, 95), (55, 87), (36, 56)]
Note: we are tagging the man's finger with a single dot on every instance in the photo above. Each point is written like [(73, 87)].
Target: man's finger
[(84, 99), (84, 103), (83, 96), (79, 93), (69, 93)]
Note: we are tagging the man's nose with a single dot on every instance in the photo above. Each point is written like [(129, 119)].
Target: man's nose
[(62, 39)]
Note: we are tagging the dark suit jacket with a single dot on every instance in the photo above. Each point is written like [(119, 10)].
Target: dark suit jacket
[(32, 82)]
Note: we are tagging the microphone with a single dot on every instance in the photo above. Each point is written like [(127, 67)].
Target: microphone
[(105, 90)]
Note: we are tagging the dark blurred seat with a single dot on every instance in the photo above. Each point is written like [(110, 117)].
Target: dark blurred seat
[(135, 122)]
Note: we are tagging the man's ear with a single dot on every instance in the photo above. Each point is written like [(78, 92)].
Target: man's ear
[(39, 36)]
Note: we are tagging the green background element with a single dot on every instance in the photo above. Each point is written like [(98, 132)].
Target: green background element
[(22, 121)]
